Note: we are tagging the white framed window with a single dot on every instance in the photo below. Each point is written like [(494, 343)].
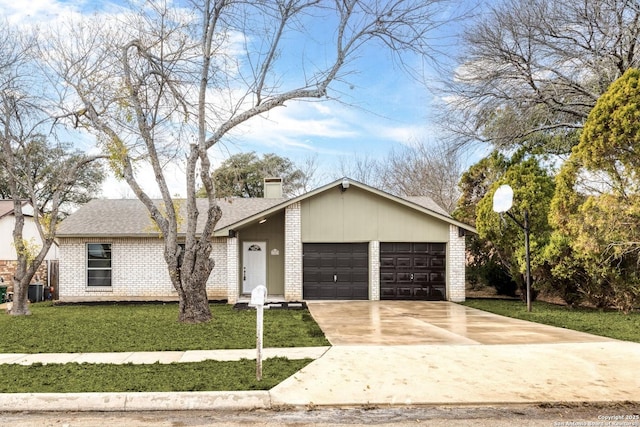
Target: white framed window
[(98, 264)]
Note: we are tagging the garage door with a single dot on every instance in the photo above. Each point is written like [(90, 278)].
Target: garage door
[(413, 271), (335, 271)]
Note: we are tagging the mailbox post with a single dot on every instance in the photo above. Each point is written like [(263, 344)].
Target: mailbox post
[(258, 298)]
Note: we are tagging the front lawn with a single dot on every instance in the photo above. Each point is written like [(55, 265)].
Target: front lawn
[(149, 327), (201, 376), (612, 324)]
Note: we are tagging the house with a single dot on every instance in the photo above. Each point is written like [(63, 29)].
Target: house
[(345, 240), (8, 257)]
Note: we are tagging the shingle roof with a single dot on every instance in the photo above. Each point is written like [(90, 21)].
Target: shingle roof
[(6, 207), (129, 217), (427, 202)]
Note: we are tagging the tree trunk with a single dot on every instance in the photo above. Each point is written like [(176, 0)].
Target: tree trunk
[(189, 272), (194, 303), (20, 306)]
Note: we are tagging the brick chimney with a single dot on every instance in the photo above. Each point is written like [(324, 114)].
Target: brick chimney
[(273, 188)]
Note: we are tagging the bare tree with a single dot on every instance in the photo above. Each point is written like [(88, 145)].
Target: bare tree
[(431, 170), (31, 167), (309, 166), (171, 82), (361, 167), (538, 66)]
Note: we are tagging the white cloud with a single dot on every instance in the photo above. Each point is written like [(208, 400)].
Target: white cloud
[(113, 188), (34, 11)]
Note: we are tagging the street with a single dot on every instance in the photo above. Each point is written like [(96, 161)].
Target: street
[(551, 415)]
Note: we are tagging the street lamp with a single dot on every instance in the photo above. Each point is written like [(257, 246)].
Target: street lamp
[(502, 202)]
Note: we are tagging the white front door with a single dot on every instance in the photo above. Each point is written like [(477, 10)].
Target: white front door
[(254, 265)]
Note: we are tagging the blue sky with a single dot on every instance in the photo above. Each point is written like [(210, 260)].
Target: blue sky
[(382, 108)]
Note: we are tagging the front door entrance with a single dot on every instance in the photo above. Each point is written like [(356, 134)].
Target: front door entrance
[(254, 265)]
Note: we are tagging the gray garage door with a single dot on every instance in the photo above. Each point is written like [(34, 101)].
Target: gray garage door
[(413, 271), (335, 271)]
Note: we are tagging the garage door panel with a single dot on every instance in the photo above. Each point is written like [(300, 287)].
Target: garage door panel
[(404, 293), (438, 248), (420, 247), (403, 277), (421, 293), (413, 271), (437, 262), (387, 277), (420, 262), (403, 262), (421, 277), (387, 262), (437, 277)]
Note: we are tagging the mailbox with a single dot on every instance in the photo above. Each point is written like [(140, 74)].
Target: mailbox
[(258, 296)]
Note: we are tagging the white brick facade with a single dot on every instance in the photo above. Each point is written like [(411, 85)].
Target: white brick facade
[(374, 270), (233, 282), (456, 266), (292, 253), (138, 271), (217, 283)]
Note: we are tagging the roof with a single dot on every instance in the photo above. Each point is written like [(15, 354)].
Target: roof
[(130, 218), (428, 203), (423, 204), (6, 207)]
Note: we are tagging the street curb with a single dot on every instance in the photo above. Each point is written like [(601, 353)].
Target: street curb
[(154, 401)]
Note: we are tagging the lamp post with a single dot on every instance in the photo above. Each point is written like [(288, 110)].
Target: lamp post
[(502, 202)]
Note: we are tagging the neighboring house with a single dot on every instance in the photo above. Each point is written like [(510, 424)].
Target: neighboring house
[(8, 256), (345, 241)]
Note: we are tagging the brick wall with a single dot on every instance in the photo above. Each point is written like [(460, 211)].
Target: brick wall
[(374, 270), (292, 253), (456, 266), (138, 271), (217, 287), (233, 283), (8, 271)]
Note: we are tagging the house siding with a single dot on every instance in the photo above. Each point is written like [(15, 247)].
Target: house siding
[(357, 215), (138, 271), (456, 266)]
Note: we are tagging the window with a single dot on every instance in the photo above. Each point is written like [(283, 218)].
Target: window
[(98, 264)]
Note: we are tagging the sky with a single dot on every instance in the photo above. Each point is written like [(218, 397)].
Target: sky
[(382, 109)]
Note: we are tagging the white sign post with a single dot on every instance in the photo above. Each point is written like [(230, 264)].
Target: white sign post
[(258, 298)]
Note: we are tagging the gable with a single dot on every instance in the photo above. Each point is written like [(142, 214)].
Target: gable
[(359, 215)]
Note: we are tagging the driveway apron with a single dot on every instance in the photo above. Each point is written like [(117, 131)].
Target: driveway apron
[(408, 353)]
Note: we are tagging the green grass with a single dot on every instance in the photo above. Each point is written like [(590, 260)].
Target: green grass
[(612, 324), (149, 327), (200, 376)]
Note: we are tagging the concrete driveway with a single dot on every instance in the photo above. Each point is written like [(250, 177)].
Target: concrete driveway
[(426, 322), (439, 353)]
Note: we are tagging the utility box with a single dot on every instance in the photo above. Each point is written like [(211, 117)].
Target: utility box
[(36, 292)]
